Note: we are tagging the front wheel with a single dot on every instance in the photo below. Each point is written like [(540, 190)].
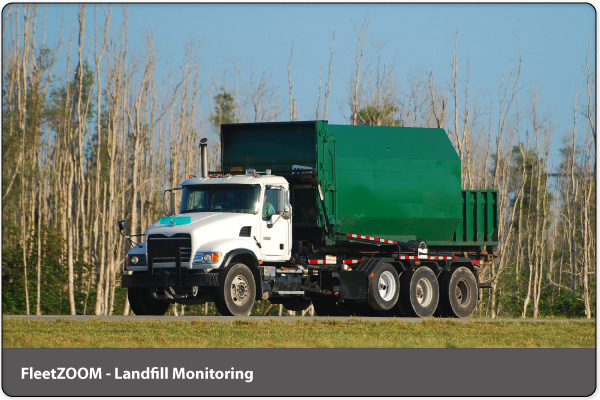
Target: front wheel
[(236, 291), (419, 292)]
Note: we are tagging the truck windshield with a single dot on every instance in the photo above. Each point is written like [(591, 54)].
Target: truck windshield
[(220, 198)]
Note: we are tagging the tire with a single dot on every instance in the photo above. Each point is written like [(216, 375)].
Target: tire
[(236, 292), (458, 293), (142, 302), (419, 293), (384, 287), (298, 304)]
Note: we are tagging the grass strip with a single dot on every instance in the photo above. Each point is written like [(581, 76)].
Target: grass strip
[(354, 333)]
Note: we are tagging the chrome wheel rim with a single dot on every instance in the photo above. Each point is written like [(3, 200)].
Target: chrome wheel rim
[(424, 292), (239, 290), (387, 286)]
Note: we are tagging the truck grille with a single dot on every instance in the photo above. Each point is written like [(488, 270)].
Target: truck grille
[(164, 248)]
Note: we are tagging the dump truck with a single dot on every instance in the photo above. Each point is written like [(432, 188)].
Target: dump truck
[(355, 220)]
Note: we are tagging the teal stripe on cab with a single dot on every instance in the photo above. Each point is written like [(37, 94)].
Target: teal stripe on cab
[(175, 220)]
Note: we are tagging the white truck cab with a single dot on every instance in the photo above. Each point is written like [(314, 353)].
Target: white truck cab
[(220, 217), (227, 213)]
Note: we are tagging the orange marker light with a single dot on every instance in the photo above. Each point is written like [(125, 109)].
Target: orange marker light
[(372, 274), (216, 257)]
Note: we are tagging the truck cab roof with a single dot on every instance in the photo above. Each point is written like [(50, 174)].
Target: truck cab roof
[(237, 180)]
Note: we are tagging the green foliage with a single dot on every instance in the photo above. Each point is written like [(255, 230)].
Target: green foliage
[(54, 277), (563, 305), (532, 165), (225, 109), (55, 295), (13, 284), (379, 116), (63, 102)]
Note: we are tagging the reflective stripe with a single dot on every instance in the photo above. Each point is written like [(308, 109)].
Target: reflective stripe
[(374, 239), (321, 262)]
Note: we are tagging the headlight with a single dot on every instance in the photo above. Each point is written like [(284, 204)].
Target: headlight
[(207, 257), (136, 259)]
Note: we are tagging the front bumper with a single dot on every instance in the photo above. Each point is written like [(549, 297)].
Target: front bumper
[(145, 280)]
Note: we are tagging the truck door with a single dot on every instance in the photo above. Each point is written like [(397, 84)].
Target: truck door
[(275, 228)]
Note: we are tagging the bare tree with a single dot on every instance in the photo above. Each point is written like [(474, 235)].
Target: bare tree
[(355, 89), (440, 116), (263, 97), (293, 111), (328, 88)]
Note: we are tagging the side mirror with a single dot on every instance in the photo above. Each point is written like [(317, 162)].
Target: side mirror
[(121, 224), (284, 204), (171, 210)]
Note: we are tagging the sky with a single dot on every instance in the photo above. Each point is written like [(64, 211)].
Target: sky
[(416, 39)]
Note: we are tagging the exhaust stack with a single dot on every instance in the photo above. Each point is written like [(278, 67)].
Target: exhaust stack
[(204, 157)]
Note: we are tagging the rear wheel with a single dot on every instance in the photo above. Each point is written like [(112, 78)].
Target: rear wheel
[(383, 287), (236, 291), (419, 293), (143, 302), (458, 293)]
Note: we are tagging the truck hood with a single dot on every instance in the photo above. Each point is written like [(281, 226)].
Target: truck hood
[(207, 226)]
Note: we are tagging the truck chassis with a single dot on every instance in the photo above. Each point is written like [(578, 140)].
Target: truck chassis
[(391, 282)]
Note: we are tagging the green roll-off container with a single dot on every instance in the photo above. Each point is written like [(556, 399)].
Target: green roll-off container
[(386, 182)]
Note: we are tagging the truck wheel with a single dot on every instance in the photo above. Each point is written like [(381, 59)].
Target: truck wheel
[(142, 302), (383, 287), (458, 293), (419, 293), (236, 291)]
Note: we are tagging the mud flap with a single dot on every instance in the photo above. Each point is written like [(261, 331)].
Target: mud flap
[(353, 285)]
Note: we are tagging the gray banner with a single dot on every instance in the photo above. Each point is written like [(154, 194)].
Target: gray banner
[(299, 372)]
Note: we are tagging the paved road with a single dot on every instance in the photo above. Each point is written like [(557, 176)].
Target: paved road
[(115, 318)]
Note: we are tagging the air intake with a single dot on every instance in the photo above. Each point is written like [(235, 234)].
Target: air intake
[(246, 231)]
